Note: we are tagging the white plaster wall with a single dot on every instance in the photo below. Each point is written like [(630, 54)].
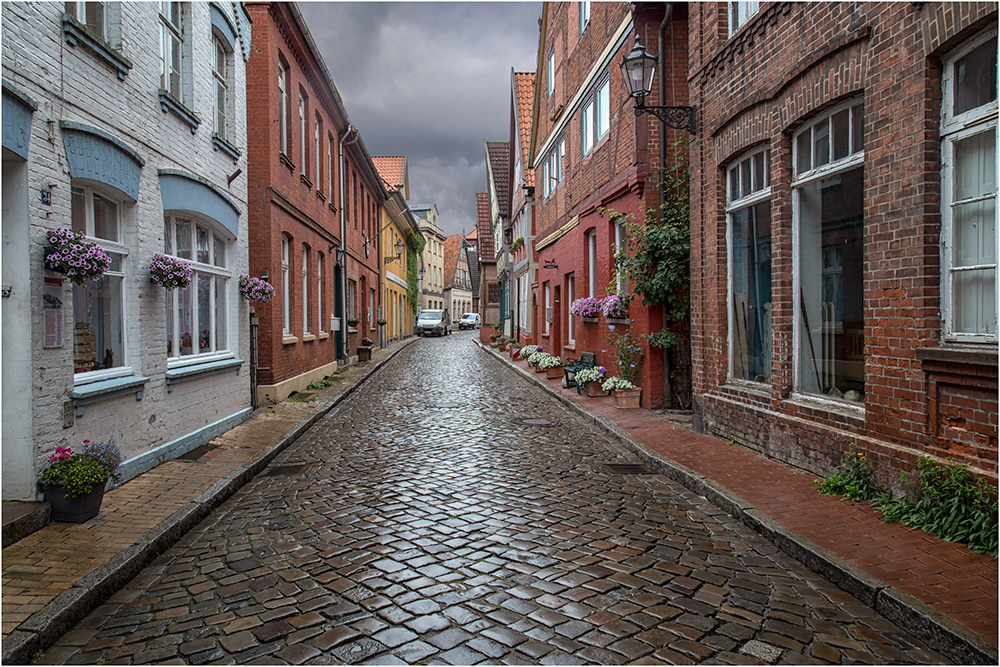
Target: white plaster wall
[(72, 83)]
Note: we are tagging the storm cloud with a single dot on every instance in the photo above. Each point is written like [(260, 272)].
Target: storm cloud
[(431, 81)]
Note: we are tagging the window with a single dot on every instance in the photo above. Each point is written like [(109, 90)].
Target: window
[(548, 308), (305, 289), (286, 306), (552, 168), (303, 152), (352, 298), (584, 15), (570, 280), (968, 156), (550, 72), (592, 263), (828, 213), (749, 209), (318, 151), (620, 249), (93, 15), (371, 309), (99, 332), (319, 292), (197, 316), (221, 72), (329, 168), (283, 104), (595, 119), (171, 49), (740, 13)]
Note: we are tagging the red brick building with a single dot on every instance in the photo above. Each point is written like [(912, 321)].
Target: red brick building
[(843, 237), (315, 197), (590, 152)]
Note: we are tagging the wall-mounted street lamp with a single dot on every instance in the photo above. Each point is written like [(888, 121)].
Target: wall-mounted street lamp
[(638, 68), (399, 252)]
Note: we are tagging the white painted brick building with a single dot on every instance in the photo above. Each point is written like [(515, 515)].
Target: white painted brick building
[(127, 122)]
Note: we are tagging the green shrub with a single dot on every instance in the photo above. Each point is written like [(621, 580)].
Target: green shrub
[(853, 477), (946, 501)]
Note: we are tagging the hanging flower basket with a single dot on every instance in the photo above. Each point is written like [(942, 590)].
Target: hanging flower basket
[(74, 256), (169, 272), (255, 289)]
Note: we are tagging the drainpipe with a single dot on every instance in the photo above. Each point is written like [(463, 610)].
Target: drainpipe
[(343, 236), (662, 100)]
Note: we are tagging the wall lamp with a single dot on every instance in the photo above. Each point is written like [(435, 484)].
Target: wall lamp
[(263, 275), (399, 252), (638, 68)]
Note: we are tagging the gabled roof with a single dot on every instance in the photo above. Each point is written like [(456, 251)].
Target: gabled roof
[(392, 169), (524, 91), (498, 153), (484, 227), (452, 252)]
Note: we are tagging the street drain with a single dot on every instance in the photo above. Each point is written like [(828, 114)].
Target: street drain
[(284, 470), (536, 422), (627, 469)]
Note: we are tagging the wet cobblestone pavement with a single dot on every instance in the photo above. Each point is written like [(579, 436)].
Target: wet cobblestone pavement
[(450, 513)]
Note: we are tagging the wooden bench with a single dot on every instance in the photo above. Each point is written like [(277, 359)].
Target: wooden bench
[(573, 366)]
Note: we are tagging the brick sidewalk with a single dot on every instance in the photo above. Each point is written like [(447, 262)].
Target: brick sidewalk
[(53, 561), (953, 580)]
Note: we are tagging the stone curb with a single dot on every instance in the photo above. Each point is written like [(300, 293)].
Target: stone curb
[(43, 628), (941, 632)]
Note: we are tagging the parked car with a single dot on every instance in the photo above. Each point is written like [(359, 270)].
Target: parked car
[(433, 323), (469, 321)]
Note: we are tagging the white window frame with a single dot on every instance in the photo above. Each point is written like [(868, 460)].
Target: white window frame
[(171, 40), (595, 116), (79, 11), (371, 308), (743, 201), (329, 168), (221, 118), (116, 247), (283, 108), (286, 310), (740, 13), (620, 282), (584, 15), (570, 284), (305, 290), (211, 270), (318, 147), (854, 159), (592, 263), (955, 128), (587, 141), (550, 72), (302, 133), (548, 309), (319, 292)]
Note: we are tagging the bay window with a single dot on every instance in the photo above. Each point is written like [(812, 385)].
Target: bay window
[(197, 315), (968, 229), (749, 238), (99, 313), (828, 210)]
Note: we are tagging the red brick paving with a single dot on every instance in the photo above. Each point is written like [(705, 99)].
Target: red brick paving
[(948, 576)]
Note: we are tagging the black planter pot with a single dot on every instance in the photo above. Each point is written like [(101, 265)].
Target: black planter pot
[(77, 509)]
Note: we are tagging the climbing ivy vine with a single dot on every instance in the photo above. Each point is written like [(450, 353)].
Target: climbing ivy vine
[(414, 247)]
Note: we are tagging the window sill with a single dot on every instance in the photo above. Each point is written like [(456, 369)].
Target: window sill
[(289, 340), (93, 392), (197, 370), (304, 179), (320, 196), (307, 338), (978, 355), (323, 335), (570, 348), (332, 207), (220, 144), (76, 33), (839, 406), (285, 161), (170, 103)]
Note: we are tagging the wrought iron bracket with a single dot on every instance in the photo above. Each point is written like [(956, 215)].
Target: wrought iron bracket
[(679, 118)]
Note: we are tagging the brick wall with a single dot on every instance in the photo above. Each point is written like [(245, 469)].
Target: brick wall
[(783, 68)]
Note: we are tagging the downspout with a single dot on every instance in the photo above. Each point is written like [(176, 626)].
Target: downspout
[(343, 239), (662, 101)]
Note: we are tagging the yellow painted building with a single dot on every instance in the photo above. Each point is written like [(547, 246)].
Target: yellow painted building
[(396, 224)]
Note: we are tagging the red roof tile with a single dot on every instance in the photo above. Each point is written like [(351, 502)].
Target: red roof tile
[(392, 170), (524, 90)]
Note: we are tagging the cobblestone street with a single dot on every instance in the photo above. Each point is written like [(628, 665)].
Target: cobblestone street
[(448, 512)]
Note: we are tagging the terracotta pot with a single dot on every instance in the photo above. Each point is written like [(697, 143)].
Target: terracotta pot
[(553, 373), (594, 389), (627, 398), (539, 370), (73, 510), (502, 347)]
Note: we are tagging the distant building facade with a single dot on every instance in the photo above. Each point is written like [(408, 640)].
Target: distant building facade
[(524, 264), (458, 281), (432, 259), (400, 264)]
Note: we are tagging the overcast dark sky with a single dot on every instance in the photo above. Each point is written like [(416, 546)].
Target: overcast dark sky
[(431, 81)]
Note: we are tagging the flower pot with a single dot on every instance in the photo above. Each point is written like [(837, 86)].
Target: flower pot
[(627, 398), (502, 346), (539, 370), (73, 510), (588, 319), (594, 389), (618, 320), (555, 372), (364, 353)]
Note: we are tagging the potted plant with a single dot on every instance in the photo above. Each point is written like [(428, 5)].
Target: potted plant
[(535, 357), (502, 343), (626, 394), (74, 256), (591, 379), (526, 351), (169, 272), (256, 289), (516, 245), (381, 322), (587, 308), (352, 322), (74, 483), (552, 366)]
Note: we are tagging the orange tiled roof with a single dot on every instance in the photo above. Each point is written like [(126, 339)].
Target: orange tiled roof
[(392, 170), (524, 89), (484, 225), (452, 246)]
